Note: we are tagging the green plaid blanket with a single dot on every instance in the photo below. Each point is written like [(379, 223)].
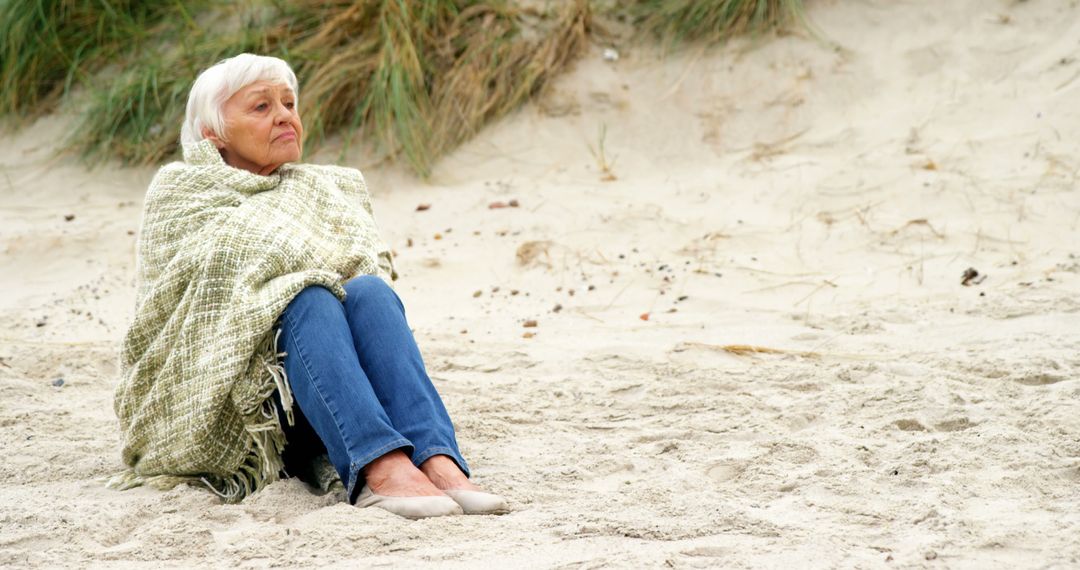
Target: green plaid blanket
[(221, 251)]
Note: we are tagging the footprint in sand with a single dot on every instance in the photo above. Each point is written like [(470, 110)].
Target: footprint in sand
[(909, 425), (954, 425), (1039, 379), (708, 551), (724, 472)]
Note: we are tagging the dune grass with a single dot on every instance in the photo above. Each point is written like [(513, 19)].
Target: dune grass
[(714, 20), (416, 78), (366, 70), (46, 46), (421, 77)]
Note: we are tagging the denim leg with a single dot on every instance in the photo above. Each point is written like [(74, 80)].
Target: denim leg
[(388, 353), (330, 387)]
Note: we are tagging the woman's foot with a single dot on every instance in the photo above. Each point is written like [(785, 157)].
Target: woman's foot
[(395, 485), (445, 474), (394, 475)]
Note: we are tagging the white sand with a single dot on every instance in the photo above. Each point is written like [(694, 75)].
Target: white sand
[(799, 197)]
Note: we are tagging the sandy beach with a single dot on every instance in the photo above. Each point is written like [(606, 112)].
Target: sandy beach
[(752, 345)]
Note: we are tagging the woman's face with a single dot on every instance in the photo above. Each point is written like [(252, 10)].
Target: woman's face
[(262, 128)]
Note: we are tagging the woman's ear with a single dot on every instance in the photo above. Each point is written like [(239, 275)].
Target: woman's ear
[(212, 137)]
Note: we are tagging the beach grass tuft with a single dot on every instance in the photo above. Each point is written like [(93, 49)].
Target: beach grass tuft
[(713, 20)]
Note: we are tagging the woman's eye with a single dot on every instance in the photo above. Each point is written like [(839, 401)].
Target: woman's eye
[(290, 105), (260, 106)]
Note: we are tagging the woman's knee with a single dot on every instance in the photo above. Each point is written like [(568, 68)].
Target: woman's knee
[(312, 298), (369, 289)]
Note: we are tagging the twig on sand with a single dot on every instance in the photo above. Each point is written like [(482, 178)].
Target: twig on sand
[(919, 222), (751, 350), (824, 283), (745, 349), (767, 272), (1067, 82), (690, 66), (600, 155), (815, 284), (763, 150)]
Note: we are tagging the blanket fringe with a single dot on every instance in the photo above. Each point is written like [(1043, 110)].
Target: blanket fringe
[(263, 464), (281, 381)]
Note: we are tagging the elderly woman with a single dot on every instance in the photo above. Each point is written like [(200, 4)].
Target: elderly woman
[(245, 256)]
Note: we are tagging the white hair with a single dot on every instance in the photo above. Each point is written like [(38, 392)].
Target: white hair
[(220, 81)]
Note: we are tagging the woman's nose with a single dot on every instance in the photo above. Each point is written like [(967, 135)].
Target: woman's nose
[(283, 115)]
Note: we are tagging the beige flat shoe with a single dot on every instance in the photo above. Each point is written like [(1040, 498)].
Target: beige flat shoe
[(478, 502), (409, 507)]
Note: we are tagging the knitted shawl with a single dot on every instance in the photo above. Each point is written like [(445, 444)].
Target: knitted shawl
[(220, 253)]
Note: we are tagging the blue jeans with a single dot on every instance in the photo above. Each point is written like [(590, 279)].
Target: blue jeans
[(359, 380)]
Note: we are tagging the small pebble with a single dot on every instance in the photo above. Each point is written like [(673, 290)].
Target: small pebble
[(529, 323), (557, 308), (58, 382), (69, 217), (477, 293), (422, 207)]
